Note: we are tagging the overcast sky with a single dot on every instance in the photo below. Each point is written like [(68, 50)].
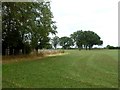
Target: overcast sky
[(100, 16)]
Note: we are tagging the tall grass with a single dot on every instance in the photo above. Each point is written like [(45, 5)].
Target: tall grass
[(33, 55)]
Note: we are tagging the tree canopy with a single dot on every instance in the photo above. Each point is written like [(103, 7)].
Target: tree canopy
[(66, 42), (26, 24), (55, 41), (86, 39)]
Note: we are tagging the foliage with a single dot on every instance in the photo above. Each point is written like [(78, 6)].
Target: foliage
[(112, 47), (86, 39), (55, 41), (26, 22), (66, 42)]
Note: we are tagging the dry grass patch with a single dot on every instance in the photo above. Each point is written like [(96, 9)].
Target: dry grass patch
[(33, 56)]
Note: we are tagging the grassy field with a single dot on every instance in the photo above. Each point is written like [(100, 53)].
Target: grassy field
[(75, 69)]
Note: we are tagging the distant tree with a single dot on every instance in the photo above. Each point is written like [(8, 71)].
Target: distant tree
[(86, 39), (108, 46), (92, 39), (55, 41), (112, 47), (78, 38), (66, 42)]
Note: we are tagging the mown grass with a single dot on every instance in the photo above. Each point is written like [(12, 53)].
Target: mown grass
[(77, 69)]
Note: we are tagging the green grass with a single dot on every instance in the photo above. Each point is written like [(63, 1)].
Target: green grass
[(77, 69)]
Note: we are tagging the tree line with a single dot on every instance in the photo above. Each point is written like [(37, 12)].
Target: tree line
[(112, 47), (26, 26), (80, 39)]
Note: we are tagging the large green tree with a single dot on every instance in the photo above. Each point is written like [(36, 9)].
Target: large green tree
[(26, 24), (86, 39), (45, 26), (92, 39)]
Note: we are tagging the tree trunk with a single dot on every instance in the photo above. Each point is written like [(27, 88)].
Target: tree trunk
[(16, 51), (36, 50), (23, 50), (11, 51), (86, 47), (3, 51)]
